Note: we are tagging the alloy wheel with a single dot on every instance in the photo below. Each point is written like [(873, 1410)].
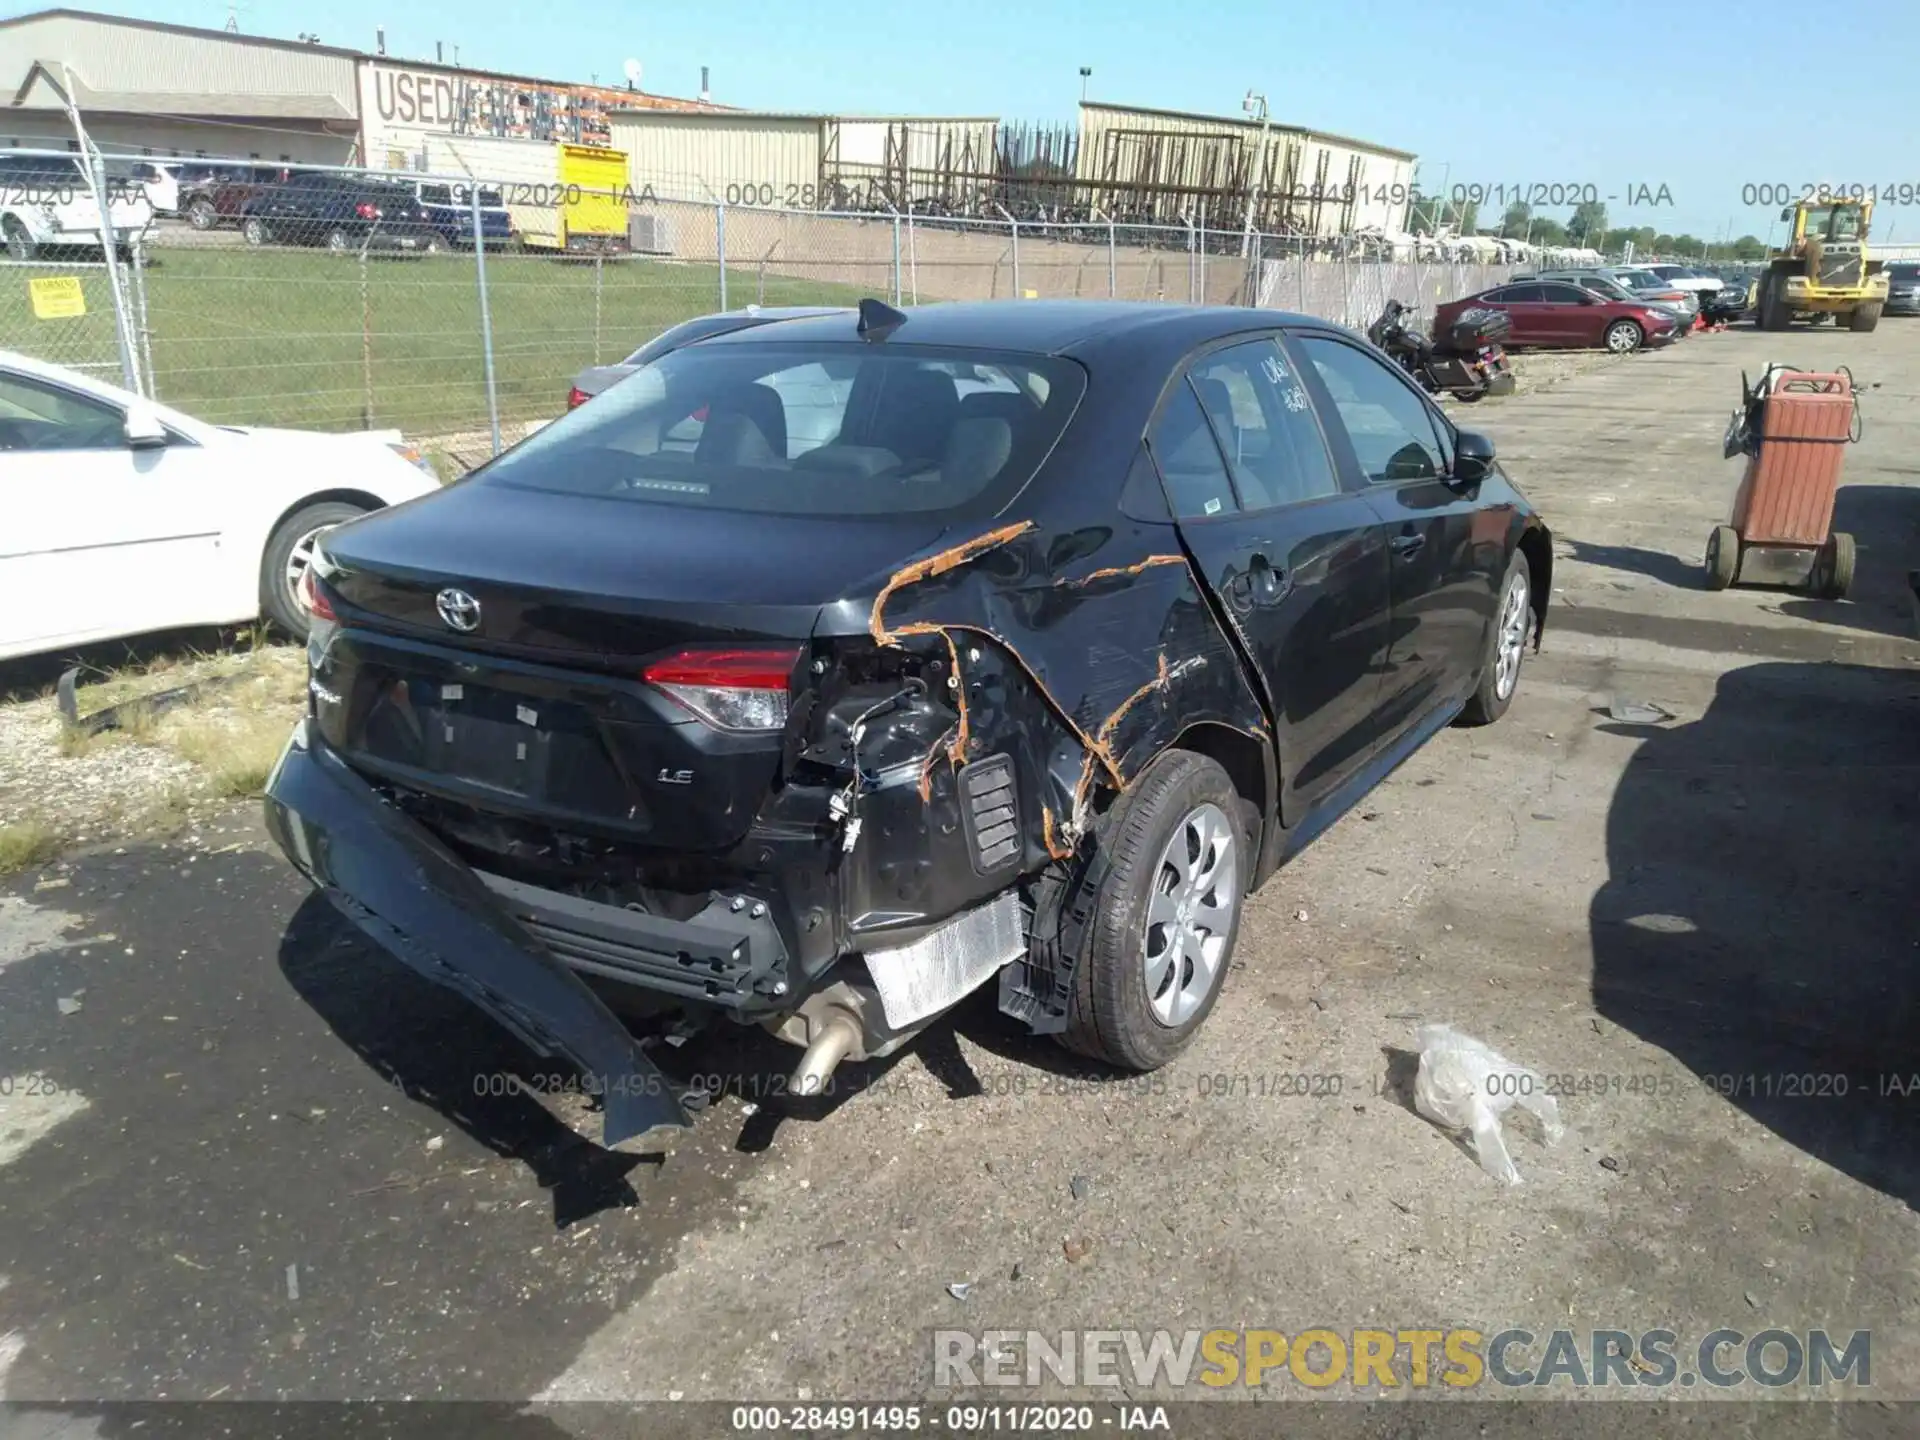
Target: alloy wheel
[(1511, 642), (1190, 916), (299, 561)]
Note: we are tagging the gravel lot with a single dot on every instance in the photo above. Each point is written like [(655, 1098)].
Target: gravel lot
[(291, 1151)]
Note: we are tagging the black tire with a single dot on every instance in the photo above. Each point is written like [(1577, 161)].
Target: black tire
[(436, 244), (1468, 397), (1833, 572), (338, 241), (1623, 337), (20, 245), (255, 232), (201, 215), (1488, 702), (1111, 1015), (1865, 317), (1723, 557), (1775, 313), (278, 602)]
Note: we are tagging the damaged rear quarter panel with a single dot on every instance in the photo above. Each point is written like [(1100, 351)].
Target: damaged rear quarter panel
[(1082, 652)]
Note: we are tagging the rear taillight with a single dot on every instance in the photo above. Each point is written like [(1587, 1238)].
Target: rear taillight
[(314, 598), (366, 211), (729, 689), (1671, 295), (576, 397)]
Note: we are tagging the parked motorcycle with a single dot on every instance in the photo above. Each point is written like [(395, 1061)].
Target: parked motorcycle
[(1468, 363)]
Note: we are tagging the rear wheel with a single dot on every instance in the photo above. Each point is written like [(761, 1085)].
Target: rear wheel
[(1865, 317), (1833, 571), (339, 241), (1723, 557), (1623, 337), (201, 215), (1506, 646), (254, 231), (1467, 397), (283, 567), (1167, 914)]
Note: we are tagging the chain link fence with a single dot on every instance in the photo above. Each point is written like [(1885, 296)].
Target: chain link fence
[(60, 312), (459, 310)]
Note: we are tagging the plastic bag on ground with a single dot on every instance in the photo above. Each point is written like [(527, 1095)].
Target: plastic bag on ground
[(1463, 1084)]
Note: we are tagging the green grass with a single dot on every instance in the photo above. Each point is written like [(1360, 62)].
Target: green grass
[(26, 845), (305, 338)]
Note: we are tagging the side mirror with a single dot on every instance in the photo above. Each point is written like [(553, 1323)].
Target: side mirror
[(1472, 457), (1787, 214), (143, 430)]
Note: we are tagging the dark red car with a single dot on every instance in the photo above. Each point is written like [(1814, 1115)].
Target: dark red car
[(1550, 314), (215, 195)]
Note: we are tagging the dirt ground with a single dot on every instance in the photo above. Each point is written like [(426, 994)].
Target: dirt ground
[(261, 1160)]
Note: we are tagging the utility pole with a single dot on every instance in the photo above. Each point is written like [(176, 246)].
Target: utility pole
[(1254, 104)]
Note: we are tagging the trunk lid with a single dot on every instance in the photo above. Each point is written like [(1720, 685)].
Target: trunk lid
[(540, 710)]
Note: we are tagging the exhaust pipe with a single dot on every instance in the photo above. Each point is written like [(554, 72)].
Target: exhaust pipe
[(837, 1036)]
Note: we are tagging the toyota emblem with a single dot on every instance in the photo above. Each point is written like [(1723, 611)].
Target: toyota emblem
[(459, 609)]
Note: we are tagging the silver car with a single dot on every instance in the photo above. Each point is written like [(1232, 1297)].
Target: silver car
[(1648, 286), (595, 378), (1903, 288)]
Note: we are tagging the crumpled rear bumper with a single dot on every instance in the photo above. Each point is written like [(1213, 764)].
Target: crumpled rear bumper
[(425, 906)]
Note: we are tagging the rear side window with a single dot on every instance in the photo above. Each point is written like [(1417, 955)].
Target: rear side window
[(1393, 434), (1265, 425), (816, 429), (1182, 443)]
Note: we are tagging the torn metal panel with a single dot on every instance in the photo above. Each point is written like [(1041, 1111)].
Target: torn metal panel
[(115, 717), (1069, 609)]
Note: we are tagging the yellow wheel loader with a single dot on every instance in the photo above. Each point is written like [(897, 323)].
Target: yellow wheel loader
[(1824, 268)]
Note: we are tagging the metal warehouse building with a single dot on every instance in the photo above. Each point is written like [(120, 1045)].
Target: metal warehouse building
[(155, 89), (174, 90), (799, 160), (1164, 165)]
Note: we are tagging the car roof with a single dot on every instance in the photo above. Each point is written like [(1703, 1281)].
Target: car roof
[(1047, 327)]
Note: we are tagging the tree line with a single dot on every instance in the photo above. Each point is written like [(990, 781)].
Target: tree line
[(1586, 228)]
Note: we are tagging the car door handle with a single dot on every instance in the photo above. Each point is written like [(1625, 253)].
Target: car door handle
[(1261, 583), (1408, 546)]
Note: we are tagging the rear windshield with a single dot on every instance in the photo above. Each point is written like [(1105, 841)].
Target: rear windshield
[(1904, 272), (809, 429)]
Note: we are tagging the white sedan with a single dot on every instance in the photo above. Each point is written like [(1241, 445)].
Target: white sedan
[(119, 516)]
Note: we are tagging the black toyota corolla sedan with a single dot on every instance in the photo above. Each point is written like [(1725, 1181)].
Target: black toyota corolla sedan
[(826, 671)]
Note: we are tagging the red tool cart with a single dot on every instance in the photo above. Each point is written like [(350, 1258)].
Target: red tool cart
[(1792, 426)]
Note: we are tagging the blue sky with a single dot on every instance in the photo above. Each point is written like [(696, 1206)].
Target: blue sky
[(1704, 98)]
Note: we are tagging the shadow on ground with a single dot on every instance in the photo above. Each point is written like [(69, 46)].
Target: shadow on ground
[(1634, 560), (1884, 521), (441, 1052), (224, 1199), (1757, 920)]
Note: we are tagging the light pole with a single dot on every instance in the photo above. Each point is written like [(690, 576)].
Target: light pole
[(1086, 74), (1254, 104)]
